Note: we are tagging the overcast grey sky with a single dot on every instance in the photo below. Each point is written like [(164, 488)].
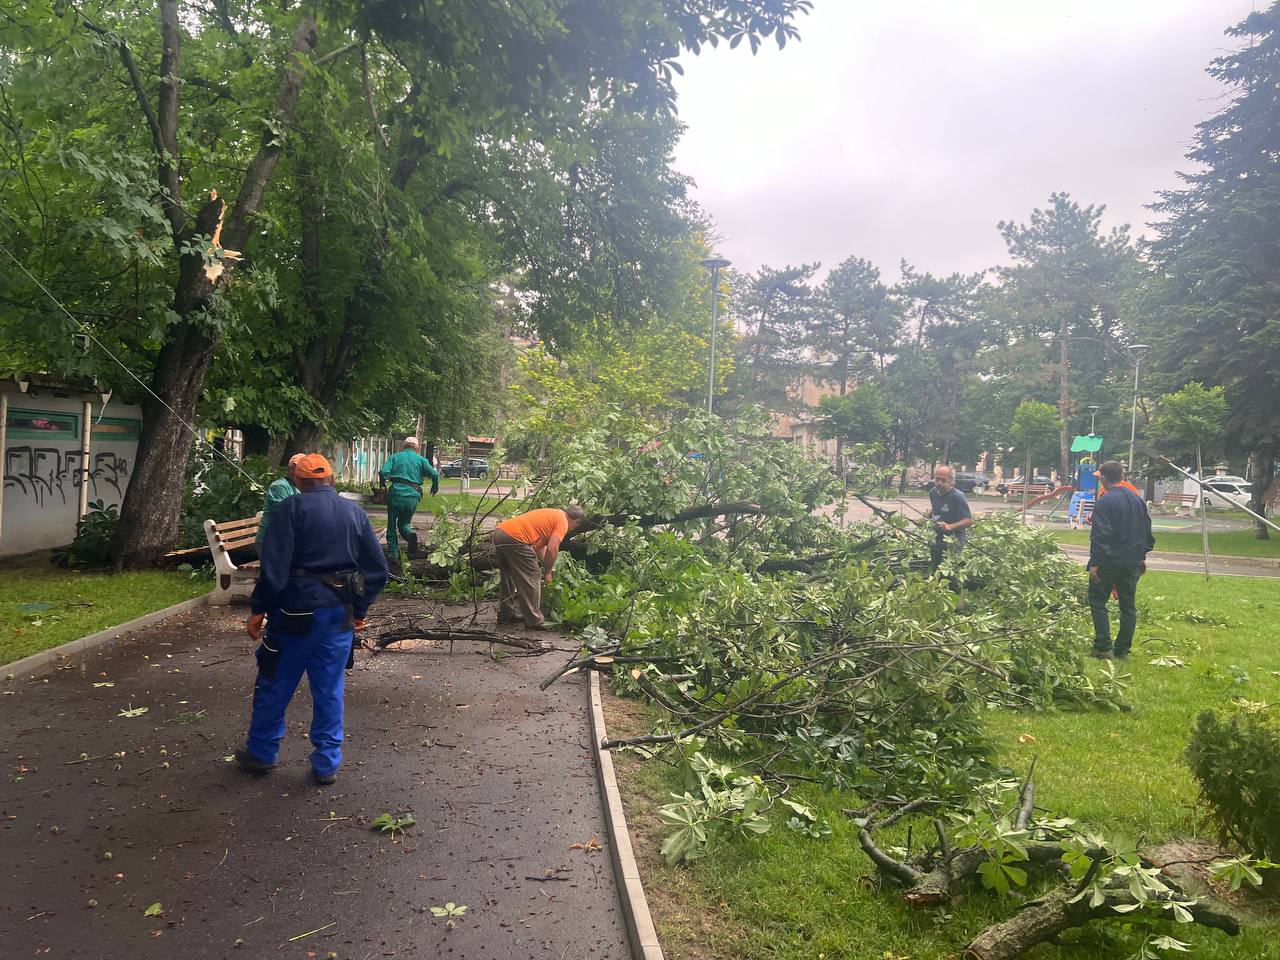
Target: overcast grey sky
[(909, 128)]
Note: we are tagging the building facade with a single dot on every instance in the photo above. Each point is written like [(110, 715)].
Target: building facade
[(64, 448)]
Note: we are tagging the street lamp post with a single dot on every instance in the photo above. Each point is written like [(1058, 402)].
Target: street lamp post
[(1093, 416), (715, 265), (1137, 349)]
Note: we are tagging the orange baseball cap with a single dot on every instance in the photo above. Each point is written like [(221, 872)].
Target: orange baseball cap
[(314, 466)]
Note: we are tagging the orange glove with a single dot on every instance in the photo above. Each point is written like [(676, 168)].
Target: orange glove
[(253, 627)]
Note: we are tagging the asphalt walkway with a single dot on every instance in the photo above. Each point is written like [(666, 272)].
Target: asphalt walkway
[(105, 811)]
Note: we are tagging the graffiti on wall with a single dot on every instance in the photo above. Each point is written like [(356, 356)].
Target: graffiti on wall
[(51, 477)]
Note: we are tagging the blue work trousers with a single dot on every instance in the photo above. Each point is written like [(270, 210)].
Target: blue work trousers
[(322, 654)]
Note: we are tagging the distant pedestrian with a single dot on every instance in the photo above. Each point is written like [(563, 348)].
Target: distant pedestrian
[(1119, 541), (952, 517), (527, 546), (407, 470), (321, 569), (279, 491)]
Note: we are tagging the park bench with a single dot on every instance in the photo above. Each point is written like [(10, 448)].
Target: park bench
[(232, 579), (1181, 501), (1084, 516), (1031, 490)]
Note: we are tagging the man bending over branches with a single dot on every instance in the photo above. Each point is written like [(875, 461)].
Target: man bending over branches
[(527, 546)]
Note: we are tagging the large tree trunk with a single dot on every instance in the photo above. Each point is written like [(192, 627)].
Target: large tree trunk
[(148, 524), (1262, 468), (153, 501), (303, 439)]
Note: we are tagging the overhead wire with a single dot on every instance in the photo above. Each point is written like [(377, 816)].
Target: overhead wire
[(85, 331)]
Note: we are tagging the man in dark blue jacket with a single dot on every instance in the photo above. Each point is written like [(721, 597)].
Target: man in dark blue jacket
[(321, 569), (1118, 545)]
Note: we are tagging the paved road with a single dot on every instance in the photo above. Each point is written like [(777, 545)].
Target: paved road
[(1190, 563), (498, 774), (915, 507)]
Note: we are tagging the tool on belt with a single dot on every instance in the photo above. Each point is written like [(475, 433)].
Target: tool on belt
[(347, 586)]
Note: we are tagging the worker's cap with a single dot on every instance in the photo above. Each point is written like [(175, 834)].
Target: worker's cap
[(314, 466), (296, 459), (1111, 470), (410, 441)]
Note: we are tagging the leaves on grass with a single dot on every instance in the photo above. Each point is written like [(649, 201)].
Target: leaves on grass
[(1167, 661)]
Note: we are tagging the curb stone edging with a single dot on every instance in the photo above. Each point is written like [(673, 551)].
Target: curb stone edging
[(44, 661), (635, 905)]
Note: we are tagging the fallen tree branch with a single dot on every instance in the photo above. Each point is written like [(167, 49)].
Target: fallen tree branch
[(450, 634), (1044, 919), (703, 511)]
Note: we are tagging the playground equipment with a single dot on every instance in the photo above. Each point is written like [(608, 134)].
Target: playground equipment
[(1083, 488)]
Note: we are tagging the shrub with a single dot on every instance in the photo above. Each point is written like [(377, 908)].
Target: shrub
[(95, 532), (217, 490), (1235, 755)]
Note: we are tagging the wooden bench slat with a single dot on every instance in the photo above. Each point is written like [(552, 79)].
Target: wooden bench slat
[(230, 545), (236, 524)]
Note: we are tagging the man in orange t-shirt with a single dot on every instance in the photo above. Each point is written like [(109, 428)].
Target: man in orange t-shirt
[(527, 545)]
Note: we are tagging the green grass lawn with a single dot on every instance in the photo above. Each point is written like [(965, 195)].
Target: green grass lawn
[(1229, 543), (42, 605), (784, 897), (460, 505)]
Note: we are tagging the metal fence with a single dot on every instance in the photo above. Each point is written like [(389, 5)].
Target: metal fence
[(358, 460)]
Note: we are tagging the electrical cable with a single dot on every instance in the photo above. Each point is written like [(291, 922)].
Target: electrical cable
[(84, 330)]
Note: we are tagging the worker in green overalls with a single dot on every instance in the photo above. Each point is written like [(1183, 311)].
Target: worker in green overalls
[(407, 471)]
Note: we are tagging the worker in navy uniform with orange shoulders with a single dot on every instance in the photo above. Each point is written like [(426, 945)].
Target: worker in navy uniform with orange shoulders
[(1119, 541), (322, 567)]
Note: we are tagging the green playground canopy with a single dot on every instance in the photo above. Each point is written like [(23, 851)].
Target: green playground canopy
[(1088, 444)]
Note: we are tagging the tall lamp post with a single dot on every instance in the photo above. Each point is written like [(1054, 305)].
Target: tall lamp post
[(1093, 416), (715, 265), (1137, 350)]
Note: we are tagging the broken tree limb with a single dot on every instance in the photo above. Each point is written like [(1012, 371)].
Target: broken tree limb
[(1045, 918), (450, 634), (704, 511), (1027, 797), (929, 879), (600, 661)]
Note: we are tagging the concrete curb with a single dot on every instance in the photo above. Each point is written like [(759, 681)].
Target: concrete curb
[(46, 660), (635, 905)]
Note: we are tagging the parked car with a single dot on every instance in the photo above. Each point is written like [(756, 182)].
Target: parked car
[(1037, 480), (477, 469), (1226, 492), (966, 482)]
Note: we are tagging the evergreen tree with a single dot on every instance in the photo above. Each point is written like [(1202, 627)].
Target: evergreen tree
[(1215, 306)]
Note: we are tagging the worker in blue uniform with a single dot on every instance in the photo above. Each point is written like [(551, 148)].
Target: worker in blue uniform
[(322, 567)]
